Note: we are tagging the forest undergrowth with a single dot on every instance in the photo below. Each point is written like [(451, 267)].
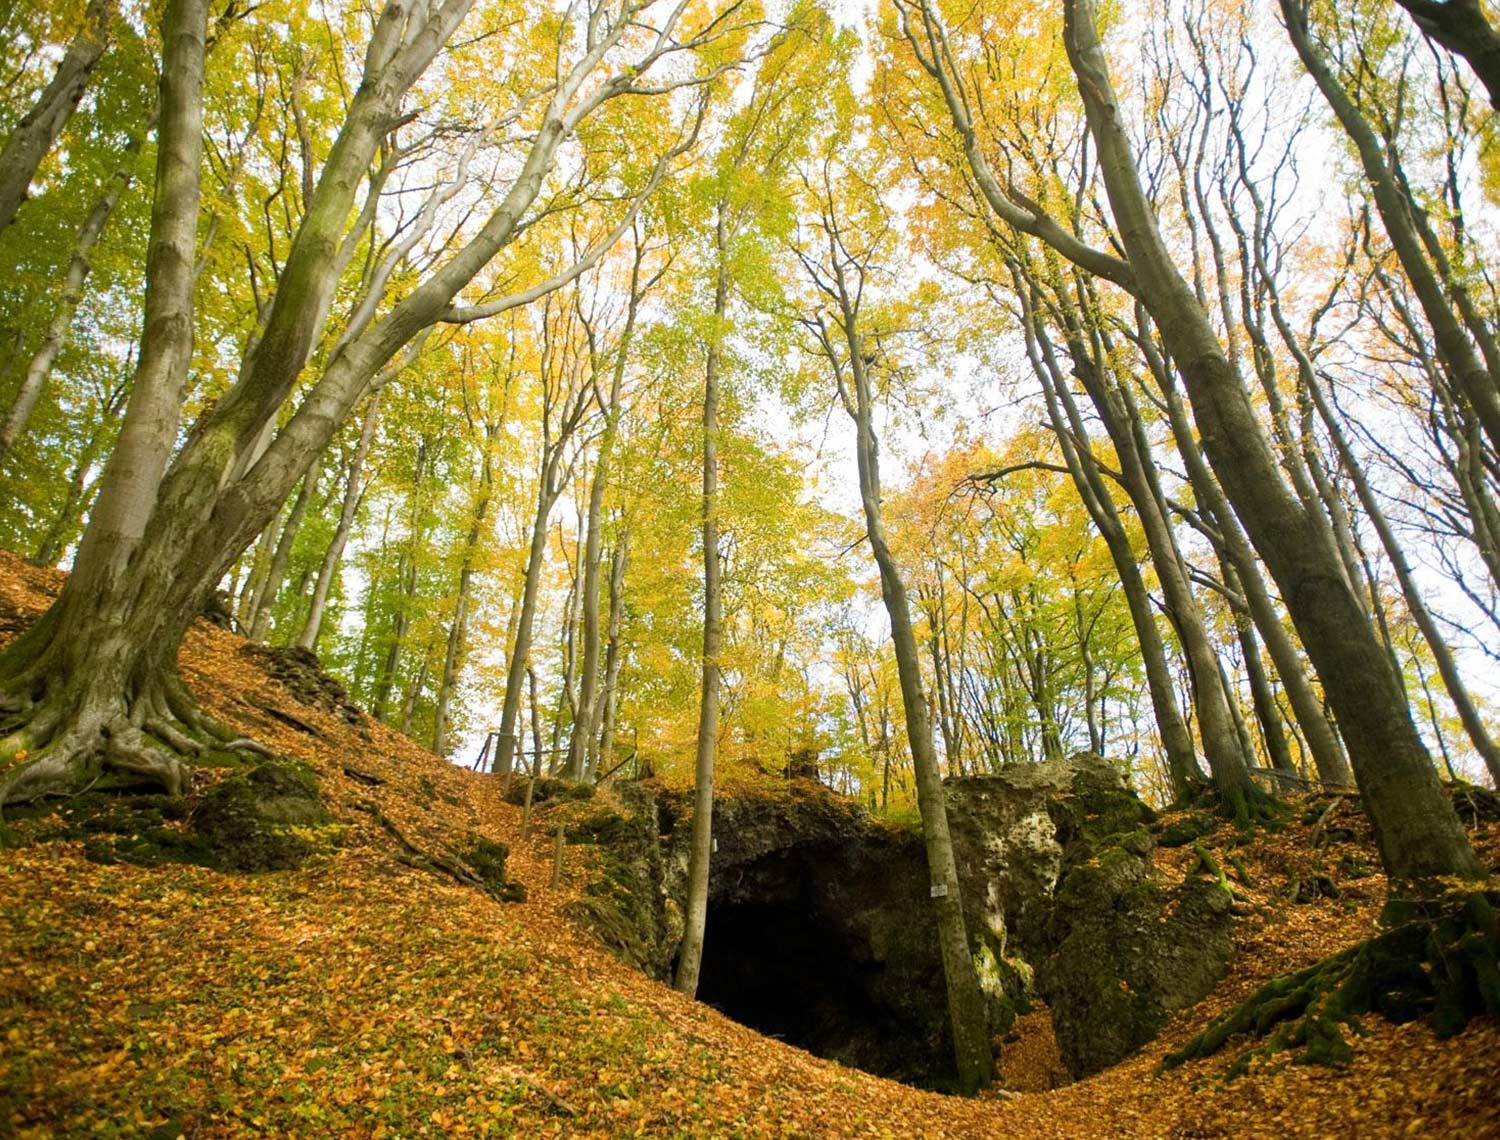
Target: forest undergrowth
[(369, 993)]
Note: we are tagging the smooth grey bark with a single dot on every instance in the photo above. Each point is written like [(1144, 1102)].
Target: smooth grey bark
[(1442, 654), (407, 567), (36, 133), (260, 567), (585, 717), (1462, 27), (1328, 754), (552, 474), (1465, 344), (271, 586), (92, 651), (414, 692), (966, 1013), (1216, 726), (1182, 764), (583, 742), (457, 641), (614, 656), (1262, 697), (849, 364), (1417, 829), (567, 701), (83, 483), (348, 509), (39, 367), (700, 849), (236, 471)]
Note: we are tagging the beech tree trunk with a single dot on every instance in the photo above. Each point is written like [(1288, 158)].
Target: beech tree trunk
[(1468, 713), (457, 642), (1465, 343), (1262, 697), (34, 136), (1418, 832), (265, 602), (700, 850), (1322, 739), (1462, 27), (1121, 419), (550, 474), (39, 367), (353, 491), (614, 658), (97, 672), (966, 1010), (1182, 763), (583, 742), (145, 583)]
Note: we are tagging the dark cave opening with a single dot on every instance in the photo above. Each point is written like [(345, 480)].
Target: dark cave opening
[(790, 954)]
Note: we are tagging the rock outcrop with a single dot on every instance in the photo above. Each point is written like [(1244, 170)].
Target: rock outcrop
[(820, 929)]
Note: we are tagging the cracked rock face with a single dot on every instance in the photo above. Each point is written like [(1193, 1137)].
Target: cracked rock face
[(820, 927)]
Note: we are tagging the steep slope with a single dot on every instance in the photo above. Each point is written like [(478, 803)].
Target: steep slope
[(368, 993)]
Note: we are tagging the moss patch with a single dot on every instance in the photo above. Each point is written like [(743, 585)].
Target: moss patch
[(487, 860), (1443, 963), (270, 817)]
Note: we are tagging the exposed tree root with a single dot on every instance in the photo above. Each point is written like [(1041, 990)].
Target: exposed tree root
[(1245, 806), (483, 866), (57, 747), (1442, 962)]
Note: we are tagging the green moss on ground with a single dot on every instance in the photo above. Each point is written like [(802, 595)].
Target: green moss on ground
[(1442, 962), (265, 818)]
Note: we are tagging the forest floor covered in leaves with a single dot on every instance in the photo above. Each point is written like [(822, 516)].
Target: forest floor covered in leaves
[(363, 995)]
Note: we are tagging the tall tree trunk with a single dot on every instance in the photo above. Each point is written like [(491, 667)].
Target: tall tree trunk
[(520, 650), (700, 850), (585, 718), (454, 650), (1458, 692), (353, 491), (414, 693), (67, 523), (1417, 829), (1182, 764), (38, 129), (1267, 714), (1122, 421), (255, 579), (276, 575), (614, 657), (1473, 364), (233, 474), (966, 1009), (1462, 27), (1216, 727), (407, 567), (97, 656), (586, 722), (1322, 739), (39, 367)]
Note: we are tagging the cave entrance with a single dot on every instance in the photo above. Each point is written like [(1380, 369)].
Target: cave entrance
[(782, 957)]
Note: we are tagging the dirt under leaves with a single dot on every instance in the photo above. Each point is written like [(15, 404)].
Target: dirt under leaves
[(366, 994)]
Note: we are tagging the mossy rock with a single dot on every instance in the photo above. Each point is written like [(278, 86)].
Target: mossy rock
[(486, 858), (547, 789), (623, 905), (1440, 960), (270, 817), (260, 820), (1185, 829), (115, 827), (1127, 950)]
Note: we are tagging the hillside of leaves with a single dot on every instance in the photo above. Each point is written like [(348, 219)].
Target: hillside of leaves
[(366, 994)]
